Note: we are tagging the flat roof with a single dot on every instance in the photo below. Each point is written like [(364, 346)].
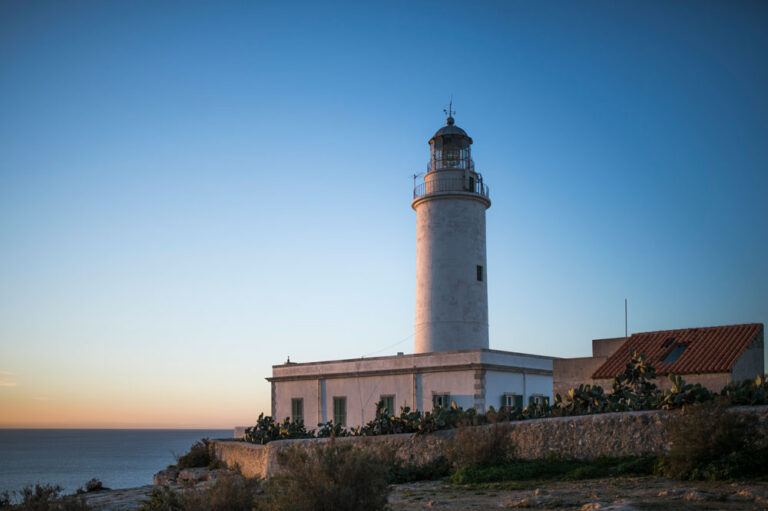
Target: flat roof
[(414, 355)]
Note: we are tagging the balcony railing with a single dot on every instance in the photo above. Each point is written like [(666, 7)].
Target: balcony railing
[(450, 163), (450, 185)]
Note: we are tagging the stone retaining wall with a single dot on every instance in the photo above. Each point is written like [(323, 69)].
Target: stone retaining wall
[(585, 436)]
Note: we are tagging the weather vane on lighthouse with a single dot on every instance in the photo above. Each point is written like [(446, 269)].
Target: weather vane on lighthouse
[(450, 111)]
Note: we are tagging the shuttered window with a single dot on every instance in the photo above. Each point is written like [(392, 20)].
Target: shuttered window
[(512, 400), (340, 411), (389, 404), (297, 409)]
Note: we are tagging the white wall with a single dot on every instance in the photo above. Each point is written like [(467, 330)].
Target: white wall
[(498, 383), (459, 384), (451, 304), (414, 380)]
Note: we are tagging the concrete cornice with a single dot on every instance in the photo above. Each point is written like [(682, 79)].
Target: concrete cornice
[(415, 355), (451, 195), (413, 370)]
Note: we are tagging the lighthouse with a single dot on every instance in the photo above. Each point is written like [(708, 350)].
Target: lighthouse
[(452, 362), (451, 271)]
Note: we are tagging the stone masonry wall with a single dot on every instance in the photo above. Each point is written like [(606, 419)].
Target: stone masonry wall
[(585, 437)]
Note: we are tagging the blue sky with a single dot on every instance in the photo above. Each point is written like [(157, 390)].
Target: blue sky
[(190, 192)]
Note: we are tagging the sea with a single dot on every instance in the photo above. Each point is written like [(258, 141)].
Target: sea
[(120, 458)]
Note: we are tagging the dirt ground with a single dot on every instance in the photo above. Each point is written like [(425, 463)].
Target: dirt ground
[(605, 494), (627, 494)]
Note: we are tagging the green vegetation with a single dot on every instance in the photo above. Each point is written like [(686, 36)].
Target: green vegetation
[(329, 476), (267, 430), (400, 472), (43, 497), (711, 443), (198, 456), (708, 442), (631, 390), (554, 469), (92, 485)]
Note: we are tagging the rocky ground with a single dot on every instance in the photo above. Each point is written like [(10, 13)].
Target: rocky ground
[(127, 499), (626, 494)]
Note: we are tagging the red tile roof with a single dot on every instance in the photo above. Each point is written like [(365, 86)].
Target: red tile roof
[(707, 350)]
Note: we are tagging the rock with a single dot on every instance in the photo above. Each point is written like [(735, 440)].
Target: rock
[(528, 502), (214, 474), (618, 506), (193, 475), (698, 496), (742, 496), (165, 477), (118, 500), (670, 493)]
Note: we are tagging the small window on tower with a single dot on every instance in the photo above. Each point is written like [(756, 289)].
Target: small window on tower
[(479, 273)]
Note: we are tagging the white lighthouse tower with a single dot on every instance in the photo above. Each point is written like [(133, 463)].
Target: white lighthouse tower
[(452, 362), (451, 275)]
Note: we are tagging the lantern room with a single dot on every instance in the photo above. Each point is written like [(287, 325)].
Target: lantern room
[(450, 148)]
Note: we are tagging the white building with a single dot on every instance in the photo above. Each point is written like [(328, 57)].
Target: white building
[(452, 360)]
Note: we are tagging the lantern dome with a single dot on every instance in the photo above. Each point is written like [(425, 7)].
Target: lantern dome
[(450, 129)]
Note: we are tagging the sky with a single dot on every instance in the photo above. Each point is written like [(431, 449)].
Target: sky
[(191, 192)]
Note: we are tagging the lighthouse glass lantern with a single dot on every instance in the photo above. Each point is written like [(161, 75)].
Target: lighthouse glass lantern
[(450, 148)]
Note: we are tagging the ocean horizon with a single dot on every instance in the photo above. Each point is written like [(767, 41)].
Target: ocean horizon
[(119, 458)]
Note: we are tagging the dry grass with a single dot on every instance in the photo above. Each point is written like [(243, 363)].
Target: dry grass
[(330, 476), (484, 446)]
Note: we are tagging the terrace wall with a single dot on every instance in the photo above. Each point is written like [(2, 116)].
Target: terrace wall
[(584, 437)]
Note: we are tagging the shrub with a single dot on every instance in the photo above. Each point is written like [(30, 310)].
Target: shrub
[(682, 394), (44, 497), (94, 485), (708, 442), (329, 476), (230, 492), (438, 468), (748, 392), (480, 446), (331, 430), (162, 499), (267, 429), (199, 455), (555, 468), (401, 472)]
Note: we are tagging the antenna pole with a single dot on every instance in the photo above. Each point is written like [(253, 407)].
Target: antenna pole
[(625, 320)]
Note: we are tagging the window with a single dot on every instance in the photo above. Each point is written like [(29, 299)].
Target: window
[(441, 400), (389, 404), (538, 399), (340, 411), (297, 409), (674, 354), (512, 401), (479, 273)]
